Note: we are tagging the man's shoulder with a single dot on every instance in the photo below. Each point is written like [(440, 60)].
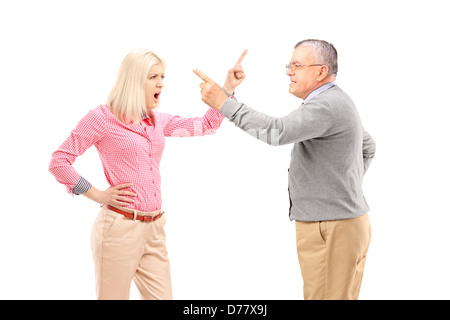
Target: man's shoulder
[(334, 91), (333, 94)]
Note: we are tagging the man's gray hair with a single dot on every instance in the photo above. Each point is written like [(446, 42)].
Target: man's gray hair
[(324, 53)]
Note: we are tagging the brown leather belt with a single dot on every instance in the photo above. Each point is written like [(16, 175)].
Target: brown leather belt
[(135, 216)]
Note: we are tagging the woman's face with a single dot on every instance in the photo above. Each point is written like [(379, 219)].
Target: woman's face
[(153, 86)]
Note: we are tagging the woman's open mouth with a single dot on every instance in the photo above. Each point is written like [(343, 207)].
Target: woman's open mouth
[(156, 96)]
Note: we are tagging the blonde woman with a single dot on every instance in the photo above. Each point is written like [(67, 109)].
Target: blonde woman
[(128, 240)]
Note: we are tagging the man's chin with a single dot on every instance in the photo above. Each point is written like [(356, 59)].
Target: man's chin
[(291, 91)]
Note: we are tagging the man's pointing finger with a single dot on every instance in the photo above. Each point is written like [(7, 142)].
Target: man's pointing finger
[(203, 76)]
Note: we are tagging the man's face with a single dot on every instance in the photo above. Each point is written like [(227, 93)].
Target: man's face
[(304, 80)]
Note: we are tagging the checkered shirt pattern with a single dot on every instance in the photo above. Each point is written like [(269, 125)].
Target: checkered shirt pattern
[(129, 153)]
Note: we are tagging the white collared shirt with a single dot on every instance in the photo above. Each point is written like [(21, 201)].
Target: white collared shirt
[(319, 90)]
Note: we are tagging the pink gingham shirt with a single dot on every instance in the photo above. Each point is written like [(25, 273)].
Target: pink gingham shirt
[(129, 153)]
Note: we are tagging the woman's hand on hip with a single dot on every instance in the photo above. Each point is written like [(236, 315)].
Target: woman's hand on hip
[(114, 196)]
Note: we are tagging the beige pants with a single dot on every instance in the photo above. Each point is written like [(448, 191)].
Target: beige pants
[(332, 256), (126, 250)]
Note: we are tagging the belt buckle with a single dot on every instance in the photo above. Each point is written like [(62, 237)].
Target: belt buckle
[(147, 219)]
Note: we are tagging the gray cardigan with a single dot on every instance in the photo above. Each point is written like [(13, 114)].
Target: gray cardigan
[(330, 156)]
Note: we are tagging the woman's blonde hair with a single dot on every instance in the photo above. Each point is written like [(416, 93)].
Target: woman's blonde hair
[(127, 97)]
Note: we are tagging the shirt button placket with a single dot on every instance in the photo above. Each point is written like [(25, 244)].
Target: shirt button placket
[(151, 167)]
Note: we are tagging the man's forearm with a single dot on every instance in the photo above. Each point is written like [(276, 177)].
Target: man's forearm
[(369, 148)]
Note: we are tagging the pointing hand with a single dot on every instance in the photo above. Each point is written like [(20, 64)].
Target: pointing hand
[(212, 93), (235, 75)]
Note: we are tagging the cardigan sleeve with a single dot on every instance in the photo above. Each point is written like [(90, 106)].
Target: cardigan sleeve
[(369, 148), (309, 121)]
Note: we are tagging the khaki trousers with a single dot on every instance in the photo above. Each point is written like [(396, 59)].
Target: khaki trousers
[(125, 250), (332, 256)]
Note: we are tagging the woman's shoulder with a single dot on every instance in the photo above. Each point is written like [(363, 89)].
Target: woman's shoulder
[(96, 116), (99, 111)]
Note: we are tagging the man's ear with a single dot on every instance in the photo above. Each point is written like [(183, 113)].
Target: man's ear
[(323, 72)]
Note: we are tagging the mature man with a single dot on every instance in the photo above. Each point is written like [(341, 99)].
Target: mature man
[(330, 156)]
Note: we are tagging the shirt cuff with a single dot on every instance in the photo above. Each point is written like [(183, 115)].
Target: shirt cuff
[(230, 107), (81, 187)]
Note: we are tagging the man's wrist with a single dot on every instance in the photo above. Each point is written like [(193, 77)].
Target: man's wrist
[(230, 107), (221, 102)]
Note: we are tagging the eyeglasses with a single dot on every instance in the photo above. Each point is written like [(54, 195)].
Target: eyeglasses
[(292, 67)]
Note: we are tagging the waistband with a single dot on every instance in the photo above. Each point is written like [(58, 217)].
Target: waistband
[(132, 211), (136, 214)]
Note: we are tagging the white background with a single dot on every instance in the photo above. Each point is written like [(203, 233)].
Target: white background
[(228, 232)]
